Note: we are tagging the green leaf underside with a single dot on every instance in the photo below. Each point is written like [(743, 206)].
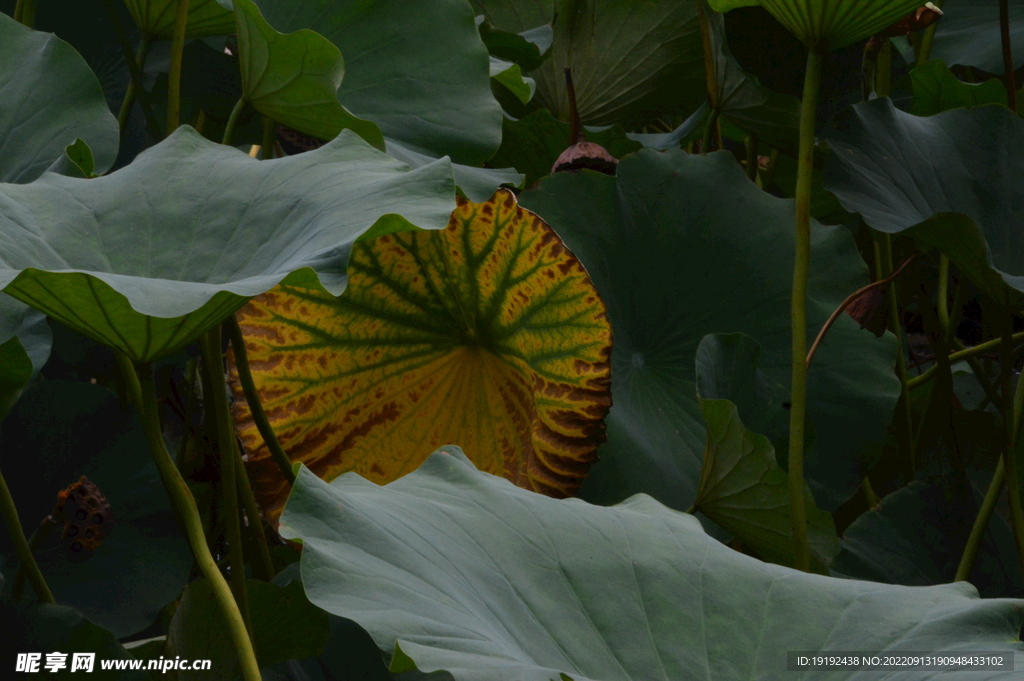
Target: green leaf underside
[(832, 24), (488, 332), (469, 574), (146, 272), (24, 348), (669, 244), (205, 17), (293, 79), (417, 70), (936, 90), (950, 181), (742, 487), (48, 98), (631, 61)]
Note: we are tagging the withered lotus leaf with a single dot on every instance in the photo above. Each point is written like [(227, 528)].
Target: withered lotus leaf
[(488, 334)]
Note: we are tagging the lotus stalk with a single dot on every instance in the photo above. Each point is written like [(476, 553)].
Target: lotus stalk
[(174, 75), (142, 391), (21, 545)]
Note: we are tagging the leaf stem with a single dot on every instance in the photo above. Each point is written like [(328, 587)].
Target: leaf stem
[(883, 259), (1009, 434), (143, 394), (252, 513), (269, 138), (174, 74), (229, 129), (995, 487), (801, 270), (135, 86), (1008, 76), (924, 50), (21, 545), (960, 355), (213, 364), (252, 396), (942, 299), (25, 12), (45, 526)]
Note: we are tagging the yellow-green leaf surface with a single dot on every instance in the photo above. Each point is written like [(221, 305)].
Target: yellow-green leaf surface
[(205, 17), (293, 78), (488, 334), (830, 24)]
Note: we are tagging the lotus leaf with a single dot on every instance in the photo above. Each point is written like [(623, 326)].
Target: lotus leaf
[(680, 246), (951, 177), (149, 257), (48, 98), (462, 571), (418, 70), (205, 17), (489, 332), (830, 24), (293, 79)]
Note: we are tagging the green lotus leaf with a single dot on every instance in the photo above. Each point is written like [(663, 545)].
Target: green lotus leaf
[(33, 627), (24, 348), (462, 571), (533, 143), (511, 76), (477, 184), (830, 24), (742, 488), (293, 79), (755, 109), (205, 17), (76, 161), (936, 90), (669, 244), (146, 259), (631, 61), (516, 16), (144, 562), (948, 177), (968, 34), (48, 98), (528, 49), (284, 625), (418, 70)]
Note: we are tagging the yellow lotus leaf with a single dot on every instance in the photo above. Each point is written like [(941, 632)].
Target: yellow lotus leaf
[(488, 334)]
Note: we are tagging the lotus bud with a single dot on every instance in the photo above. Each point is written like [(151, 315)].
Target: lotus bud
[(581, 153)]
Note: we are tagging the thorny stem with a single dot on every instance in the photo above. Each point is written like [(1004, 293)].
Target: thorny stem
[(801, 269), (252, 397), (141, 388), (209, 345), (21, 545)]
